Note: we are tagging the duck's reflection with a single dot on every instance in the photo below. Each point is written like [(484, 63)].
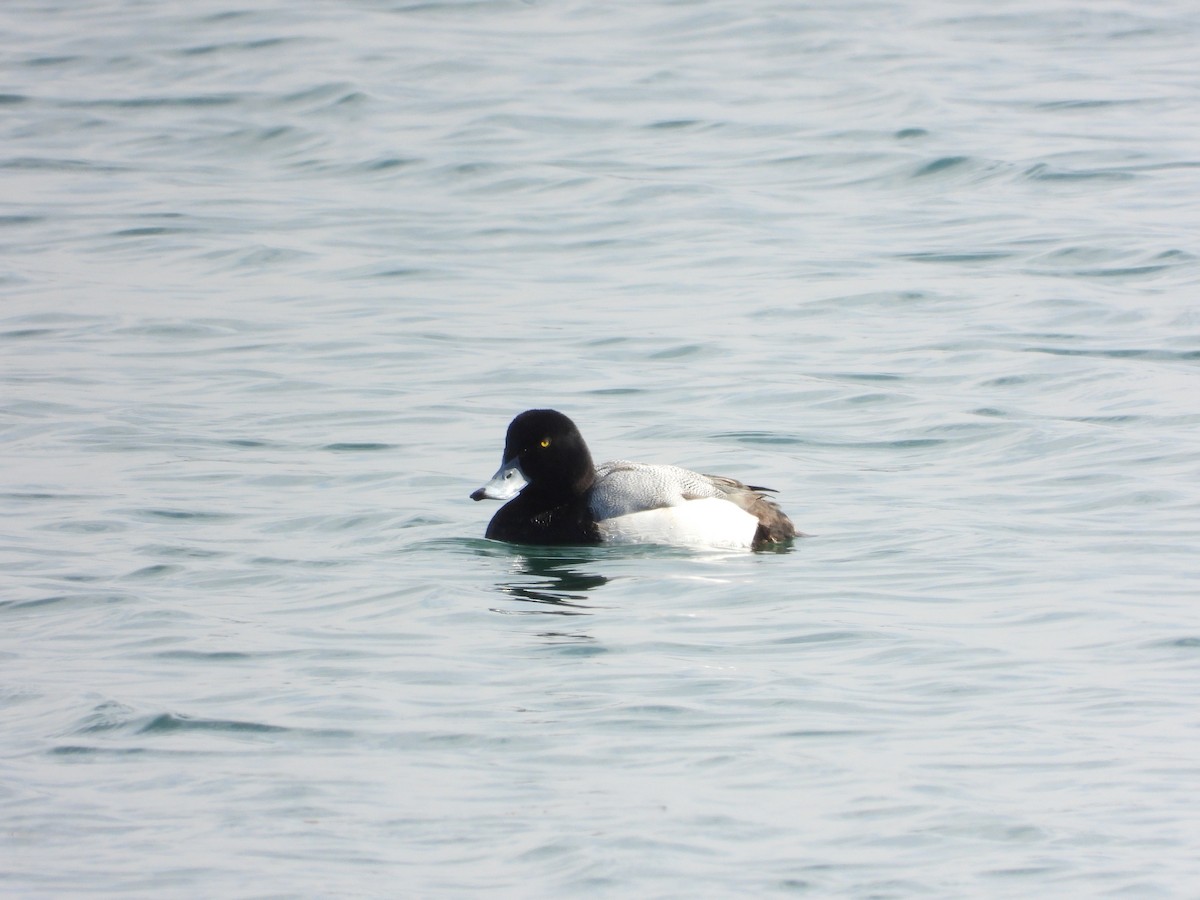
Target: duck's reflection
[(558, 583)]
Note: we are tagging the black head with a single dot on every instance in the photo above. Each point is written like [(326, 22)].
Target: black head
[(551, 452)]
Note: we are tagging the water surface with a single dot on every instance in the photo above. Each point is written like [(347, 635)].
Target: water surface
[(274, 281)]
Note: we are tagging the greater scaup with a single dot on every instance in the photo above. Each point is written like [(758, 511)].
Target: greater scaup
[(558, 496)]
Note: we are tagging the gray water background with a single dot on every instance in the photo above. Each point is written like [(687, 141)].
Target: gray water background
[(276, 276)]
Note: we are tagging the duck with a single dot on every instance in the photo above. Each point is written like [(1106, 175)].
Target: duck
[(555, 495)]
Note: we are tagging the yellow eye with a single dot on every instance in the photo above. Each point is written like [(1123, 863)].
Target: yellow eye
[(545, 442)]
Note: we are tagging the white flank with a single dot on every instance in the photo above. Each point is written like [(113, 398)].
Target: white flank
[(695, 523)]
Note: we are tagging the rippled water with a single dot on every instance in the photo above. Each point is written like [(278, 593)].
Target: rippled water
[(275, 278)]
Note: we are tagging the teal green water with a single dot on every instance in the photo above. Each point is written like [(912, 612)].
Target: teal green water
[(274, 281)]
